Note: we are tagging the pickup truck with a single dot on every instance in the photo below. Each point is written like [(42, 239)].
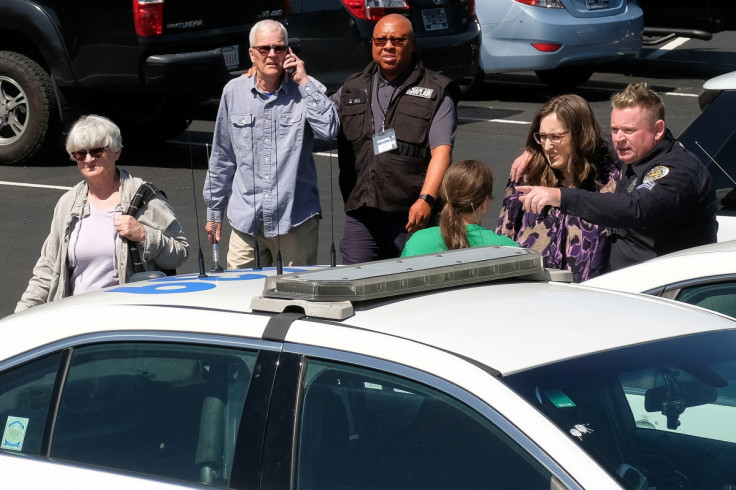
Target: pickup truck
[(665, 19), (144, 63)]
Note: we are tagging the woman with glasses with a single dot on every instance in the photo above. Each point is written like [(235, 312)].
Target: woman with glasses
[(87, 247), (466, 191), (566, 149)]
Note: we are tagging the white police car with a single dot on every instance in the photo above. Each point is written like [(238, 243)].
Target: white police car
[(704, 276), (461, 370), (712, 138)]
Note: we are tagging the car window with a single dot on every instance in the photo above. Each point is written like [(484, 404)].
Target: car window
[(364, 429), (658, 414), (25, 397), (720, 297), (162, 409), (654, 394), (712, 138)]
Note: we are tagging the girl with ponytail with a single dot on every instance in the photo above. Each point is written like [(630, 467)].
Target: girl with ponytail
[(466, 190)]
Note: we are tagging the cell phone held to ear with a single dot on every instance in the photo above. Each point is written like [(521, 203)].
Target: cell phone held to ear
[(289, 57)]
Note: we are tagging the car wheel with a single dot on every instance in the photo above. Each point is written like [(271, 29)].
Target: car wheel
[(469, 86), (565, 78), (28, 108)]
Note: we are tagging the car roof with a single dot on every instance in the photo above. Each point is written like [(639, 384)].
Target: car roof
[(507, 325), (715, 259), (727, 81)]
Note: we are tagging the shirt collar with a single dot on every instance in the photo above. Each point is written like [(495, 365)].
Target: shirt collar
[(662, 147), (283, 86)]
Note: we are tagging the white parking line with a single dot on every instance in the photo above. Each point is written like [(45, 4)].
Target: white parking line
[(39, 186), (674, 44), (513, 121), (680, 95), (502, 121), (334, 152)]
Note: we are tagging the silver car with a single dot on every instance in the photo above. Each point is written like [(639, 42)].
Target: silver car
[(561, 40)]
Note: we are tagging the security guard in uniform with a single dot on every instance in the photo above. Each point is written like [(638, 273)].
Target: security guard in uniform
[(665, 200), (398, 122)]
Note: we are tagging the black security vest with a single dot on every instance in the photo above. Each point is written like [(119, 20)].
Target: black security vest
[(391, 181)]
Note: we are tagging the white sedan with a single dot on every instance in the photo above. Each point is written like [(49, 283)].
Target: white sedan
[(704, 276), (559, 39), (461, 370), (712, 138)]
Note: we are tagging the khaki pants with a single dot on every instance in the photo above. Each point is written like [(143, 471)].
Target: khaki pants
[(298, 247)]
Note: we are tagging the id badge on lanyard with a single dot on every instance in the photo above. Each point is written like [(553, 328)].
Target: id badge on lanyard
[(384, 141)]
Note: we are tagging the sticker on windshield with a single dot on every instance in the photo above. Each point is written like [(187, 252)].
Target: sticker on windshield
[(581, 429), (558, 398), (14, 433)]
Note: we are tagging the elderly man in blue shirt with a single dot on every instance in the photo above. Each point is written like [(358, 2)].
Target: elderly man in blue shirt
[(262, 169)]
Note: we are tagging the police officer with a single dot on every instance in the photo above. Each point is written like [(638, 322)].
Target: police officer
[(665, 200), (398, 122)]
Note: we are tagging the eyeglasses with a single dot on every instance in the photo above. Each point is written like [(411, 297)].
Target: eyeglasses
[(395, 41), (81, 155), (265, 50), (553, 138)]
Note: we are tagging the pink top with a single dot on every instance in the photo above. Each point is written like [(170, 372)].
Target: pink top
[(91, 255)]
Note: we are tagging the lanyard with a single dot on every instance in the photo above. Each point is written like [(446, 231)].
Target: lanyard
[(384, 110)]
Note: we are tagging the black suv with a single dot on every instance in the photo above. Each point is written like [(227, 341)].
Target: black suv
[(146, 63), (143, 62), (688, 18), (334, 36)]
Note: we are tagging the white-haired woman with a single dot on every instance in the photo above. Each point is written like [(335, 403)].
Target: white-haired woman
[(85, 250)]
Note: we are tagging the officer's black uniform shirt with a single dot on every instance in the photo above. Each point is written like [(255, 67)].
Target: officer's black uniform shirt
[(663, 203)]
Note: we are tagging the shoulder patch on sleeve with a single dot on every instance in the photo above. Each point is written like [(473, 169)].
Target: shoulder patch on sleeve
[(654, 174)]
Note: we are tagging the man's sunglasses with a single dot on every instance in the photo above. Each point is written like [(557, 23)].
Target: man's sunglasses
[(81, 155), (265, 50), (396, 41)]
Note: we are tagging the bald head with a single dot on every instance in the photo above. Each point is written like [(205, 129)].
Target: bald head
[(394, 19), (393, 44)]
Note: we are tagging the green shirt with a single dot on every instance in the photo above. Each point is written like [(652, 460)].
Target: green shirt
[(430, 240)]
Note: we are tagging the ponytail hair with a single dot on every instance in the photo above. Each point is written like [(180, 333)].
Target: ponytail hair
[(465, 188)]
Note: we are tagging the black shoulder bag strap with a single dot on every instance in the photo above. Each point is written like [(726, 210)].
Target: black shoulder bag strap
[(143, 195)]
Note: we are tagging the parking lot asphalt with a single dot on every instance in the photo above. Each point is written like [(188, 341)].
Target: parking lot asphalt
[(493, 127)]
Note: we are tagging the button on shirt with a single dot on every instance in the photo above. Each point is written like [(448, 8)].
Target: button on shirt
[(262, 169)]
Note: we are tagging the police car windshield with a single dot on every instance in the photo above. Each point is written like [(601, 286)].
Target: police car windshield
[(712, 138), (661, 414)]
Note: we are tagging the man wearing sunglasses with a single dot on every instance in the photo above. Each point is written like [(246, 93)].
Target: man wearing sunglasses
[(398, 123), (262, 170)]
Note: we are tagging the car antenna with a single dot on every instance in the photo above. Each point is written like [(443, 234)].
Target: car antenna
[(200, 257), (216, 267), (714, 161), (256, 247), (279, 260), (333, 254)]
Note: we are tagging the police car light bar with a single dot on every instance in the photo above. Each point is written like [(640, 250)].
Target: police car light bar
[(380, 279)]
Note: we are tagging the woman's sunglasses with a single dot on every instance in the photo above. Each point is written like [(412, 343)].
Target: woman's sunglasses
[(81, 155)]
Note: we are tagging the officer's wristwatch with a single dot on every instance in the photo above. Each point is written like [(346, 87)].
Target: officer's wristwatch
[(429, 199)]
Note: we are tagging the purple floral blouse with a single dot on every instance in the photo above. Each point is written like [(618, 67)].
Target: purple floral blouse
[(565, 241)]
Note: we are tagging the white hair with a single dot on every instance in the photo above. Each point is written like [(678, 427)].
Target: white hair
[(94, 131), (267, 25)]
